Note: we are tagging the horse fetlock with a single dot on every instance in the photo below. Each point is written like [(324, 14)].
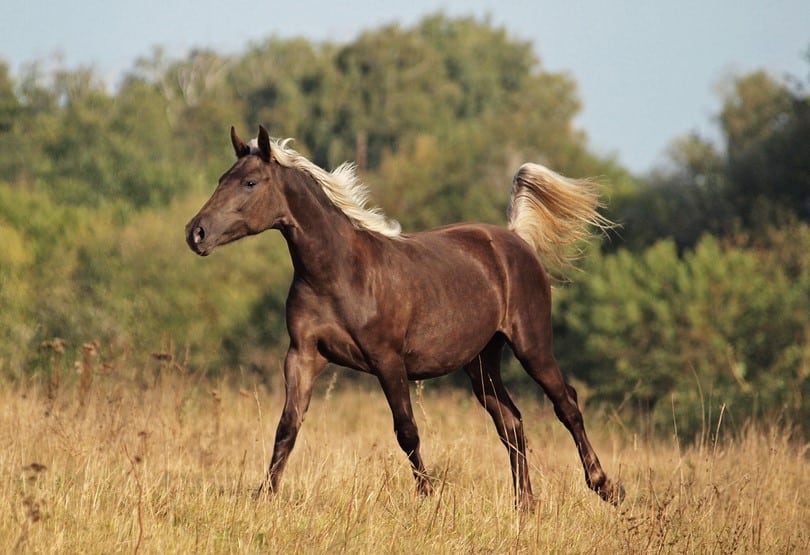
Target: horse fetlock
[(265, 489), (524, 500)]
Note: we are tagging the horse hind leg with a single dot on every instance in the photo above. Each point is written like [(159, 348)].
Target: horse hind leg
[(394, 384), (535, 355), (485, 376)]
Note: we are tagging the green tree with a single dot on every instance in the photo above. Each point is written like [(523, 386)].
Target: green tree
[(722, 325), (9, 104), (290, 86), (683, 203), (758, 179), (767, 129), (394, 86)]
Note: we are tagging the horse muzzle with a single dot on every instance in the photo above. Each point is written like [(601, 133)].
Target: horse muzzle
[(195, 237)]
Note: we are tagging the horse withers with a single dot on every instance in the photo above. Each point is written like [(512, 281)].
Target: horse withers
[(408, 306)]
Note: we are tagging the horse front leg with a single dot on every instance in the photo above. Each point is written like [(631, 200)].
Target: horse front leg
[(301, 367), (395, 386)]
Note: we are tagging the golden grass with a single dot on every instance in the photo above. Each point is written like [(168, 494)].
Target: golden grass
[(169, 467)]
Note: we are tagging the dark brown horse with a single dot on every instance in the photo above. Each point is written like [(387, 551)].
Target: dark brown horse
[(408, 306)]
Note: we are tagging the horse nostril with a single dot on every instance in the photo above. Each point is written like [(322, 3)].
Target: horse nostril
[(199, 235)]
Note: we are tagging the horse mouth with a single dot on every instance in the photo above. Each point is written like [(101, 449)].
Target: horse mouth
[(197, 248)]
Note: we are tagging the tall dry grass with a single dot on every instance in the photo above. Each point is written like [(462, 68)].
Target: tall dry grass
[(166, 462)]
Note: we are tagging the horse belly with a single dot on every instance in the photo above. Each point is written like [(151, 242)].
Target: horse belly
[(443, 339)]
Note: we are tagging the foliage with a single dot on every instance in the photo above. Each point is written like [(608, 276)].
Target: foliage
[(768, 135), (95, 181), (724, 327), (700, 301), (758, 179), (110, 275)]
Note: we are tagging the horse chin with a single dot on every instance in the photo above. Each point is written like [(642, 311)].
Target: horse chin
[(199, 249)]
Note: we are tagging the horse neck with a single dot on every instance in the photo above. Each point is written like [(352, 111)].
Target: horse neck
[(319, 236)]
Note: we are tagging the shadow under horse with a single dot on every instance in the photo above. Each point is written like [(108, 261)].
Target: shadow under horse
[(409, 306)]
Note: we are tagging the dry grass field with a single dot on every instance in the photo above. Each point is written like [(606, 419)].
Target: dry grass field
[(166, 464)]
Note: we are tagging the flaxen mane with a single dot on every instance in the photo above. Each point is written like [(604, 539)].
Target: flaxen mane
[(342, 187)]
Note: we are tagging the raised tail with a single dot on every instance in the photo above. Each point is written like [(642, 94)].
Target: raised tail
[(553, 213)]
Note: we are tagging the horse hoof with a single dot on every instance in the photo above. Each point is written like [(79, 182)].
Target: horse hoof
[(424, 487), (612, 492)]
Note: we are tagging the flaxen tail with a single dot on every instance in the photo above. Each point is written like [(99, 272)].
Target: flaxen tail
[(554, 214)]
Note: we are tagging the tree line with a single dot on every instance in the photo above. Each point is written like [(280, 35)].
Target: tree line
[(699, 301)]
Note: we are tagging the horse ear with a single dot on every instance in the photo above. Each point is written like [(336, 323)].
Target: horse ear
[(264, 144), (239, 147)]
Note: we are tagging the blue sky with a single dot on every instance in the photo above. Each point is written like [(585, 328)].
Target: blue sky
[(647, 72)]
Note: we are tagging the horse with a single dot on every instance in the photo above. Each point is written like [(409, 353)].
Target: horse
[(408, 306)]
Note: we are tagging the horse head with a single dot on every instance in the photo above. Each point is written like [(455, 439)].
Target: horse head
[(247, 200)]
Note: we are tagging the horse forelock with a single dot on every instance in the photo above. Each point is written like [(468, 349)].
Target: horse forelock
[(342, 186)]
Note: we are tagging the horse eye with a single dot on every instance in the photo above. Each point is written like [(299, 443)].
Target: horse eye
[(249, 183)]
